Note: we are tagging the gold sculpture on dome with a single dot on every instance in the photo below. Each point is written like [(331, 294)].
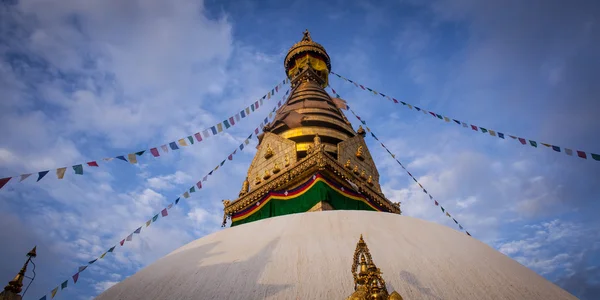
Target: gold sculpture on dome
[(269, 152), (370, 180), (267, 175), (355, 170), (347, 165), (287, 161), (276, 168), (363, 174), (359, 153), (368, 282), (257, 181), (245, 187), (361, 130)]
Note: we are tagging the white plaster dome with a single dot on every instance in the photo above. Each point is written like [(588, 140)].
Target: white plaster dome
[(309, 256)]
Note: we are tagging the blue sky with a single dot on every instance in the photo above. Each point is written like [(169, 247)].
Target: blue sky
[(83, 80)]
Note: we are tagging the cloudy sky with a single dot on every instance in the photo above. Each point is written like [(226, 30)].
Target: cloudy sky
[(84, 80)]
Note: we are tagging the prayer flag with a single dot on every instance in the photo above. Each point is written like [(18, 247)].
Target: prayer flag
[(446, 119), (129, 237), (222, 163), (78, 169), (111, 249), (595, 156), (122, 242), (23, 177), (501, 135), (232, 121), (186, 195), (409, 106), (214, 130), (247, 110), (173, 146), (432, 113), (64, 285), (132, 158), (252, 107), (220, 127), (483, 129), (170, 205), (362, 86), (92, 164), (492, 133), (241, 147), (256, 105), (92, 261), (156, 217), (121, 157), (54, 292), (4, 181), (164, 212), (176, 200), (191, 139), (522, 140), (148, 222), (456, 121), (140, 153), (443, 210), (436, 203), (464, 125), (547, 145), (447, 214), (75, 277), (256, 130), (453, 219), (468, 233), (154, 152), (230, 157), (474, 127), (226, 122), (395, 101), (164, 148), (556, 148), (460, 226), (103, 254), (82, 268), (193, 189), (60, 172), (182, 142), (43, 298), (205, 133), (569, 151), (237, 117), (533, 143), (138, 230), (199, 184)]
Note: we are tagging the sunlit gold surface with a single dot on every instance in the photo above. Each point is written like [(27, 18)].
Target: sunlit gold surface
[(368, 279)]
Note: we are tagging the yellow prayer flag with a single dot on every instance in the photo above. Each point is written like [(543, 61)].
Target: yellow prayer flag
[(132, 158), (269, 96), (420, 185), (60, 172), (547, 145), (148, 222), (182, 142), (220, 127), (54, 292), (446, 119), (447, 214), (492, 133), (102, 256), (375, 92), (388, 97), (368, 129), (186, 195), (409, 106), (216, 168)]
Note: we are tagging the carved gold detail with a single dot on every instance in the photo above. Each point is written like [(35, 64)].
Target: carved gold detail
[(269, 152), (347, 165), (370, 180), (245, 187), (359, 153), (276, 168), (267, 175), (363, 174), (355, 170), (287, 161), (257, 181), (368, 279)]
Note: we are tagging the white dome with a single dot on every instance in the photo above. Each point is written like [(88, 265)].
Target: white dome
[(309, 256)]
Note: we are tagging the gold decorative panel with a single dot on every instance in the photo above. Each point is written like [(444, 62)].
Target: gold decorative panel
[(282, 156), (347, 151)]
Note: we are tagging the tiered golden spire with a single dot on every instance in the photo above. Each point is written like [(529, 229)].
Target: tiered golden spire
[(14, 287)]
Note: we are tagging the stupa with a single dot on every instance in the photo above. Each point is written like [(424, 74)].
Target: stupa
[(311, 222)]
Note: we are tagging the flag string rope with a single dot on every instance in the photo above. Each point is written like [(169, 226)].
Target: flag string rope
[(494, 133), (164, 212), (407, 172), (132, 157)]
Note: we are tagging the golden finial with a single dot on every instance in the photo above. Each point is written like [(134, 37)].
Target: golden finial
[(370, 180), (257, 181), (355, 170), (276, 168), (15, 286), (347, 165), (269, 152), (361, 130), (368, 282), (306, 36), (363, 174), (267, 175), (359, 152), (287, 160), (245, 187)]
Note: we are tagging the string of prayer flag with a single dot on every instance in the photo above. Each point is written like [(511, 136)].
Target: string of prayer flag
[(435, 202), (490, 132), (164, 212), (174, 145)]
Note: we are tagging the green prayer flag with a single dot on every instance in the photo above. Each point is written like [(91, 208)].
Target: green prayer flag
[(595, 156), (191, 139), (78, 169), (193, 189), (64, 285), (533, 143), (483, 129), (140, 153), (442, 208)]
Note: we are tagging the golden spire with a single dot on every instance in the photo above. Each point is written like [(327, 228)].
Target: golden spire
[(368, 282), (15, 286)]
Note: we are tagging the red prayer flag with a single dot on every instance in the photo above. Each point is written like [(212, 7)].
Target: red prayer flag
[(362, 86), (199, 184), (522, 140), (164, 212), (230, 157), (436, 203), (256, 105), (4, 181), (75, 277), (256, 130), (154, 152), (395, 101), (431, 113), (231, 121), (122, 242), (276, 88), (333, 91), (474, 127), (581, 154), (198, 136), (92, 164)]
